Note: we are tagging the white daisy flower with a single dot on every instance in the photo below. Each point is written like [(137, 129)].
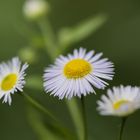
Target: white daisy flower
[(11, 78), (77, 74), (121, 101)]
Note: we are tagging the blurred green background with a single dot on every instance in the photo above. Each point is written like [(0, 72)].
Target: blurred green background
[(118, 39)]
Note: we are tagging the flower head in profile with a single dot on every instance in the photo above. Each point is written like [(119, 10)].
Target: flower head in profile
[(34, 9), (12, 80), (121, 101), (77, 74)]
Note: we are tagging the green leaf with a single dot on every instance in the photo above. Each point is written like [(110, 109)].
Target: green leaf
[(69, 36), (76, 116), (42, 131), (52, 126)]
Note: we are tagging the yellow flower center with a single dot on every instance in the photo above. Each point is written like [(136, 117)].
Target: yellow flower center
[(8, 82), (120, 103), (77, 68)]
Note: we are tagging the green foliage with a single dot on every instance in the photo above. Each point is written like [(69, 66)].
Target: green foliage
[(43, 132), (76, 115), (70, 36)]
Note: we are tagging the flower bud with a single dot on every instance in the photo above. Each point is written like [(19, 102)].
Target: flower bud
[(35, 9), (28, 54)]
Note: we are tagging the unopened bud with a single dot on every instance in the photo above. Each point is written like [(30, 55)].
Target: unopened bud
[(35, 9), (28, 55)]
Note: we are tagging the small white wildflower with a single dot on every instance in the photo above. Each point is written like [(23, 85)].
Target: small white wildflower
[(11, 78), (121, 101), (77, 74)]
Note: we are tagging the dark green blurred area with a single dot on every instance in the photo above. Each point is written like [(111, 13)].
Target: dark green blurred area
[(118, 39)]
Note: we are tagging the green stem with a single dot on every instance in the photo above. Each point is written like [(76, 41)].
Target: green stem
[(55, 121), (49, 38), (38, 106), (122, 128), (76, 117), (84, 118)]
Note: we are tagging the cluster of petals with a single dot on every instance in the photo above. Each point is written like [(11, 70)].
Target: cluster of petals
[(120, 101), (78, 74), (12, 76)]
